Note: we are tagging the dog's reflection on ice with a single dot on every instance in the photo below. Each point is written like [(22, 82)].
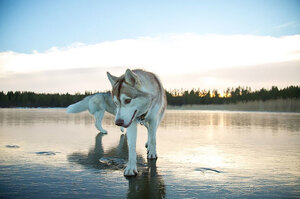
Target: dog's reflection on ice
[(148, 184)]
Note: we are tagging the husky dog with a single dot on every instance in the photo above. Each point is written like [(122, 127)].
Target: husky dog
[(96, 104), (140, 98)]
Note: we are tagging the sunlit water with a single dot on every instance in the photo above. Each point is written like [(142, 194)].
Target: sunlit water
[(46, 153)]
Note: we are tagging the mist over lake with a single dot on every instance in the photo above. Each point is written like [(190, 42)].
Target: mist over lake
[(46, 153)]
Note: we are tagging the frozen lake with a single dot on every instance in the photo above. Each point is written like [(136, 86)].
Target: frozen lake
[(46, 153)]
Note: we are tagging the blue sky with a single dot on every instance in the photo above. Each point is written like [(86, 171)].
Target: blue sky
[(39, 25)]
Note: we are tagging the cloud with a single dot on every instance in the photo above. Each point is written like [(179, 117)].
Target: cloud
[(94, 79), (171, 56), (62, 81), (256, 76), (190, 51)]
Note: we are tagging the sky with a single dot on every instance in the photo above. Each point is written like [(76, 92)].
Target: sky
[(68, 45)]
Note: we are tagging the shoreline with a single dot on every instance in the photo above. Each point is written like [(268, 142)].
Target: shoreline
[(278, 105)]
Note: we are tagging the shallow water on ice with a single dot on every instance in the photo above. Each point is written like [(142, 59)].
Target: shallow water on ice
[(46, 153)]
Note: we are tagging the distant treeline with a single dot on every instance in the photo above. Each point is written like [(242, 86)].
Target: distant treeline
[(174, 97), (230, 96), (31, 99)]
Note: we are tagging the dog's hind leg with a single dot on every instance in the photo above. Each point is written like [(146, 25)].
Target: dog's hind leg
[(151, 143), (98, 123)]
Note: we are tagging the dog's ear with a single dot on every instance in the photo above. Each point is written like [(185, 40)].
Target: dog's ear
[(131, 78), (112, 79)]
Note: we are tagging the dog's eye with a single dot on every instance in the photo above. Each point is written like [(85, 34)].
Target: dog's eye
[(127, 101)]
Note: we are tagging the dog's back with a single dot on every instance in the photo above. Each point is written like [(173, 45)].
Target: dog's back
[(93, 103), (79, 106)]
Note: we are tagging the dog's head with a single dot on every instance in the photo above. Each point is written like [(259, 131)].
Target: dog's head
[(129, 98)]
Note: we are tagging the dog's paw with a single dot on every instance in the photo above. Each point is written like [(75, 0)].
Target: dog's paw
[(130, 170), (100, 129), (151, 153), (146, 144), (152, 156), (103, 131)]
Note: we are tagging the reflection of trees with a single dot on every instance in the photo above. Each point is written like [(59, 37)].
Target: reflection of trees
[(178, 119), (29, 117), (148, 183)]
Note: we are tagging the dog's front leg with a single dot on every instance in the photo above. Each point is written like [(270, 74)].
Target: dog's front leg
[(131, 168), (151, 143)]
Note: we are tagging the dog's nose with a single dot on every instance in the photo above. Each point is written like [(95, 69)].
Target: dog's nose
[(119, 122)]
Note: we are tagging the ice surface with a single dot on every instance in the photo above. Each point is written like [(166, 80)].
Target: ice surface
[(46, 153)]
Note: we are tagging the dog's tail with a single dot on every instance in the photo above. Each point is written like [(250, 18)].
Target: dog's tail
[(79, 106)]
